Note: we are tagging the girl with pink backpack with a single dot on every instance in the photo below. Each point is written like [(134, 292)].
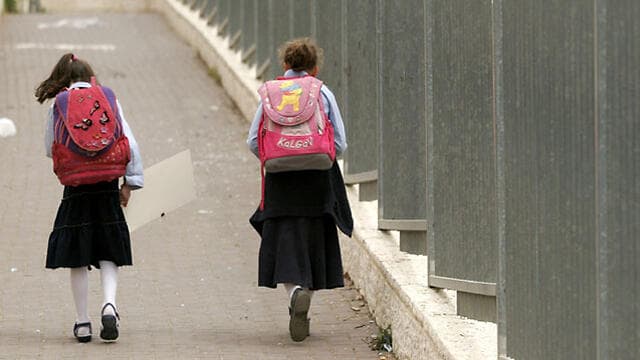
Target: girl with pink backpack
[(296, 133), (92, 146)]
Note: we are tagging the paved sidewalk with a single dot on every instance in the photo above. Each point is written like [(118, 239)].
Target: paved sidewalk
[(192, 292)]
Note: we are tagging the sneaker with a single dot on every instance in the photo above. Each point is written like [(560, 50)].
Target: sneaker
[(298, 310)]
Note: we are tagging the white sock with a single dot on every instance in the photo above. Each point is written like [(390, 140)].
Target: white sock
[(290, 288), (80, 290), (109, 279)]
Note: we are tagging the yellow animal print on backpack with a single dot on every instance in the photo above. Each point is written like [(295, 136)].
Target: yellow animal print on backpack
[(290, 95)]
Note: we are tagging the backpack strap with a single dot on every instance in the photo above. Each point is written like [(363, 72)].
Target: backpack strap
[(111, 98), (59, 113), (262, 186), (261, 131)]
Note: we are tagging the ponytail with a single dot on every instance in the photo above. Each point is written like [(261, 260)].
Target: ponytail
[(69, 69)]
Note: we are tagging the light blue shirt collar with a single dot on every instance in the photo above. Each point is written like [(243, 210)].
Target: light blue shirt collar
[(292, 73)]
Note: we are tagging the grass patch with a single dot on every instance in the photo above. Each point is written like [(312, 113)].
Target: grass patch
[(383, 341), (215, 75)]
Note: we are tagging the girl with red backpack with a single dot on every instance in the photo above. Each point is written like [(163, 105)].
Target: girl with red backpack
[(297, 132), (92, 147)]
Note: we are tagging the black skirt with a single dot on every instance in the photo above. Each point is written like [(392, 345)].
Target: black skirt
[(89, 227), (298, 228), (300, 250)]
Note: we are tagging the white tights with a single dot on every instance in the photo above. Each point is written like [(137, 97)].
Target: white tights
[(289, 287), (80, 288)]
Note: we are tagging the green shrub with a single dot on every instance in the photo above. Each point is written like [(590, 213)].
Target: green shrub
[(383, 341), (10, 6)]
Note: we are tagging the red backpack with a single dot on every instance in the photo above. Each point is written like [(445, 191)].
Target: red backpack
[(89, 144)]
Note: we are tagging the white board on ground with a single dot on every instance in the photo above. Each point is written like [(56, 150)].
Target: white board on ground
[(168, 185)]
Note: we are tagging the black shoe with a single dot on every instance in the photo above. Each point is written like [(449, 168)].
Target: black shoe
[(109, 331), (298, 310), (83, 338)]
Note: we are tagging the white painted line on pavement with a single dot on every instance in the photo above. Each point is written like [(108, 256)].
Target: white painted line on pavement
[(7, 128), (66, 47), (81, 23)]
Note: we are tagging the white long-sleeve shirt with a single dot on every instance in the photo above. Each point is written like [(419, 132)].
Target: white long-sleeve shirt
[(134, 174)]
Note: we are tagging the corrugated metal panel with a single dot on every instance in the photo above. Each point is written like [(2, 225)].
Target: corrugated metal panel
[(280, 19), (464, 239), (329, 36), (207, 9), (264, 45), (402, 176), (198, 4), (300, 18), (360, 110), (222, 17), (249, 30), (618, 171), (235, 23), (548, 77)]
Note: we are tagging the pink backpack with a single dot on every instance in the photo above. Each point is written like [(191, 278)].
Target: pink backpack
[(295, 133)]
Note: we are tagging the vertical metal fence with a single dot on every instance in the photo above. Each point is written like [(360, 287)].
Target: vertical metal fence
[(462, 231), (617, 173), (249, 32), (548, 102), (504, 132), (402, 144), (361, 105)]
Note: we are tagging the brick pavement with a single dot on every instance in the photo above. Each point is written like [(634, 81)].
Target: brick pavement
[(192, 292)]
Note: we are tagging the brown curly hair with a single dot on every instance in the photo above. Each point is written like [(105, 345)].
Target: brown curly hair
[(68, 70), (301, 54)]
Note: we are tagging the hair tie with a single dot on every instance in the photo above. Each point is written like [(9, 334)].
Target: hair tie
[(74, 57)]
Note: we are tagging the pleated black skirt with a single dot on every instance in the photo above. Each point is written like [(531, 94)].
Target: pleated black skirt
[(89, 227), (300, 250)]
